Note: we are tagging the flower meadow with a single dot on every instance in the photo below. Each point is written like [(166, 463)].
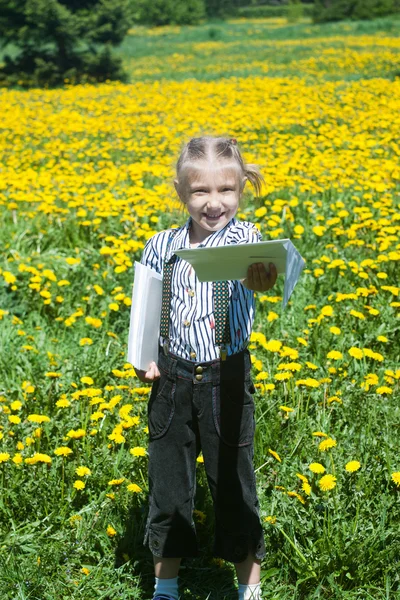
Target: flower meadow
[(85, 179)]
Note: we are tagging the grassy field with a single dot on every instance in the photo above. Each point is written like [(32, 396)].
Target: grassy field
[(85, 179)]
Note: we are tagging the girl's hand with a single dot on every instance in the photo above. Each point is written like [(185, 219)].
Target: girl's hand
[(150, 375), (259, 279)]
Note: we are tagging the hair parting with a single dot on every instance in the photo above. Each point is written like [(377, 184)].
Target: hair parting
[(219, 148)]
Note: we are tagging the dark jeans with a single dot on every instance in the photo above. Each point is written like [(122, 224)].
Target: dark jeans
[(204, 407)]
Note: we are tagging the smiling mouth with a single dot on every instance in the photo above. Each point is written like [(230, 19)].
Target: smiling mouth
[(214, 217)]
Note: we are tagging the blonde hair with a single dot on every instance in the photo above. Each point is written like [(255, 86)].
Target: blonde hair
[(218, 148)]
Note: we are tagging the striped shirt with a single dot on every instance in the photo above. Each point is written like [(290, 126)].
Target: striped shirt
[(192, 325)]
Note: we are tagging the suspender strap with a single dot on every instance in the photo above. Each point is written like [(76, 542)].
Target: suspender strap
[(221, 304), (166, 289), (221, 313)]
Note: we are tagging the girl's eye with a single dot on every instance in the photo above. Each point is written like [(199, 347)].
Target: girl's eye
[(227, 190)]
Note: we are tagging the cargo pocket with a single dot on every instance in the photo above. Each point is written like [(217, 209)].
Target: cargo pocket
[(233, 412), (161, 406)]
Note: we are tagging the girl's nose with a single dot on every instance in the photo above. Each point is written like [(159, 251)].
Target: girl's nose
[(213, 199)]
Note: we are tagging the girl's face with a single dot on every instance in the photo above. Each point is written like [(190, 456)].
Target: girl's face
[(211, 193)]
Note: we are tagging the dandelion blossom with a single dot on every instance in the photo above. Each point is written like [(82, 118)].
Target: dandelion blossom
[(396, 478), (62, 451), (133, 487), (352, 466), (79, 484), (316, 468), (111, 531), (335, 355), (326, 444), (356, 352), (275, 455), (327, 482), (82, 471)]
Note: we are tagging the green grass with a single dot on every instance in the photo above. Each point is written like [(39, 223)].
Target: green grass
[(343, 545)]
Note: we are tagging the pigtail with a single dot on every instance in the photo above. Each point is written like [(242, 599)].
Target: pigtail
[(255, 178)]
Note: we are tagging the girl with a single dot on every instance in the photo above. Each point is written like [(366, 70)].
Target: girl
[(201, 398)]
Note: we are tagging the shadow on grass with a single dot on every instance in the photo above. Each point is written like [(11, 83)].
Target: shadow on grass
[(202, 578)]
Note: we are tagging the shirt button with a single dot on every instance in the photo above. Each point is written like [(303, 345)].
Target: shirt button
[(186, 323), (199, 377), (191, 293), (199, 369), (193, 355)]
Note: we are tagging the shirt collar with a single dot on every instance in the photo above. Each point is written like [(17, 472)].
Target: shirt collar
[(181, 238)]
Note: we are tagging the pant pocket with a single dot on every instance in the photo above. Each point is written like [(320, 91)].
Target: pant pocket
[(233, 412), (161, 407)]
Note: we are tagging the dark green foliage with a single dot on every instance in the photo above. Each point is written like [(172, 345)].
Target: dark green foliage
[(169, 12), (295, 11), (62, 40), (339, 10), (265, 11)]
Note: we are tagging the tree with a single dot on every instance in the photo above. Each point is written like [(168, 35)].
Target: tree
[(169, 12), (60, 40), (338, 10)]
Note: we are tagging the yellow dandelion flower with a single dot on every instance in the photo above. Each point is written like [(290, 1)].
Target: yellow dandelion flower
[(396, 478), (275, 455), (327, 482), (320, 434), (270, 519), (83, 471), (290, 366), (138, 451), (62, 451), (286, 409), (384, 389), (111, 531), (334, 355), (356, 353), (283, 376), (261, 376), (86, 341), (309, 382), (79, 484), (352, 466), (335, 330), (76, 433), (133, 487), (303, 478), (316, 468), (16, 405), (14, 419), (116, 481), (326, 444), (17, 458), (4, 457), (38, 418), (296, 495), (306, 487)]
